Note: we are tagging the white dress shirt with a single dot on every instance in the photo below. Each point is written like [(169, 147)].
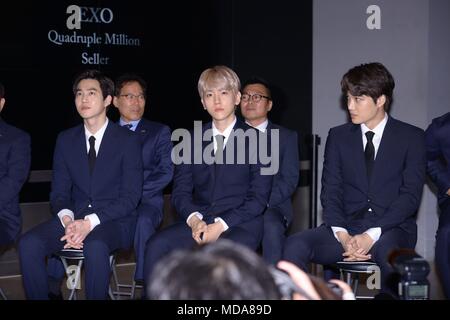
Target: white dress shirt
[(261, 127), (93, 218)]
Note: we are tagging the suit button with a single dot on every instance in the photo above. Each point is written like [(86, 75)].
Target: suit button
[(213, 204), (368, 200), (370, 210), (90, 206)]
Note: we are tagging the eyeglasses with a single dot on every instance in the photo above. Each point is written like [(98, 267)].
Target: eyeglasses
[(130, 96), (254, 97)]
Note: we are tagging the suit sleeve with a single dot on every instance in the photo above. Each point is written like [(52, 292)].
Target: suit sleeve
[(18, 168), (410, 192), (285, 182), (162, 172), (332, 185), (436, 168), (131, 183), (60, 196), (182, 193)]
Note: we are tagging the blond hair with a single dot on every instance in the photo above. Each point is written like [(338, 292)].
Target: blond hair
[(218, 77)]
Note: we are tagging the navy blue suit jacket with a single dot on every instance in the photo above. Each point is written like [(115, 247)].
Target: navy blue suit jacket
[(286, 180), (438, 154), (115, 187), (15, 158), (395, 188), (158, 167), (237, 193)]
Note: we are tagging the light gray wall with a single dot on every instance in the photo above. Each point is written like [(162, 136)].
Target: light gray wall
[(413, 43)]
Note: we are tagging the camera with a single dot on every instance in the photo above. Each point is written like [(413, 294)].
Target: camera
[(287, 286), (413, 271)]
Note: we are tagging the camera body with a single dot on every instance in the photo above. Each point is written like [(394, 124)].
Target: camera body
[(413, 271)]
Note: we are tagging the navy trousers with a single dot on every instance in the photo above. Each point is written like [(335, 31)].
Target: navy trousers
[(179, 236), (274, 236), (320, 246), (43, 240)]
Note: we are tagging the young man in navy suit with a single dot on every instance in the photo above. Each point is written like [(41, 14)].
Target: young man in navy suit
[(130, 98), (372, 181), (96, 186), (224, 197), (15, 158), (256, 102), (438, 166)]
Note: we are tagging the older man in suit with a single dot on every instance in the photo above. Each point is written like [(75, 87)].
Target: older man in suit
[(438, 166), (256, 102), (372, 181), (130, 99), (15, 158), (217, 196), (96, 186)]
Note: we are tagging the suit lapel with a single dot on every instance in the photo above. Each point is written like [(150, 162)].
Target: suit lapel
[(357, 152), (106, 149), (387, 143), (142, 129), (80, 157)]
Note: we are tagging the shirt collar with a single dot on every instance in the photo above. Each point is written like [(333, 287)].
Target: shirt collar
[(378, 130), (226, 133), (99, 134), (262, 126), (134, 123)]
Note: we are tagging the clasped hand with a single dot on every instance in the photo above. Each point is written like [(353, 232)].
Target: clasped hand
[(205, 233), (75, 233), (356, 248)]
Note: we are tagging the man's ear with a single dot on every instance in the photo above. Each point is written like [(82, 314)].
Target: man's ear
[(238, 99), (108, 101), (381, 101), (114, 102), (2, 103), (270, 105)]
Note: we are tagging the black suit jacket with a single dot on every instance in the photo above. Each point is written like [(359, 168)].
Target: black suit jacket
[(15, 158), (395, 189), (286, 180)]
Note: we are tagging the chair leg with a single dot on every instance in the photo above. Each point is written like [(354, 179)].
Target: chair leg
[(76, 279), (2, 295)]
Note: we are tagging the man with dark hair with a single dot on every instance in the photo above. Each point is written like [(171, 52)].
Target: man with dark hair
[(372, 181), (223, 270), (130, 99), (96, 186), (438, 166), (256, 102), (15, 158)]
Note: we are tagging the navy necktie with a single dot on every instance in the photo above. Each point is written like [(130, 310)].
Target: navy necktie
[(369, 153), (128, 126), (218, 156), (91, 154)]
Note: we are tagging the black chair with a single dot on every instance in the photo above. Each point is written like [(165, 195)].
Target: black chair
[(350, 272), (74, 271)]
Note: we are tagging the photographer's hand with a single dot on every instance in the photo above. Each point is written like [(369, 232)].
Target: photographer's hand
[(301, 279)]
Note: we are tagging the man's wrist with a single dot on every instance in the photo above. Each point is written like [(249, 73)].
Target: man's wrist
[(66, 220)]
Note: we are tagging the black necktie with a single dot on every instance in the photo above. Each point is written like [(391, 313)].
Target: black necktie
[(369, 153), (128, 126), (91, 154), (218, 156)]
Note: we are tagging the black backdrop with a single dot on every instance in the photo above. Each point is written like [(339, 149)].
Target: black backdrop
[(178, 40)]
